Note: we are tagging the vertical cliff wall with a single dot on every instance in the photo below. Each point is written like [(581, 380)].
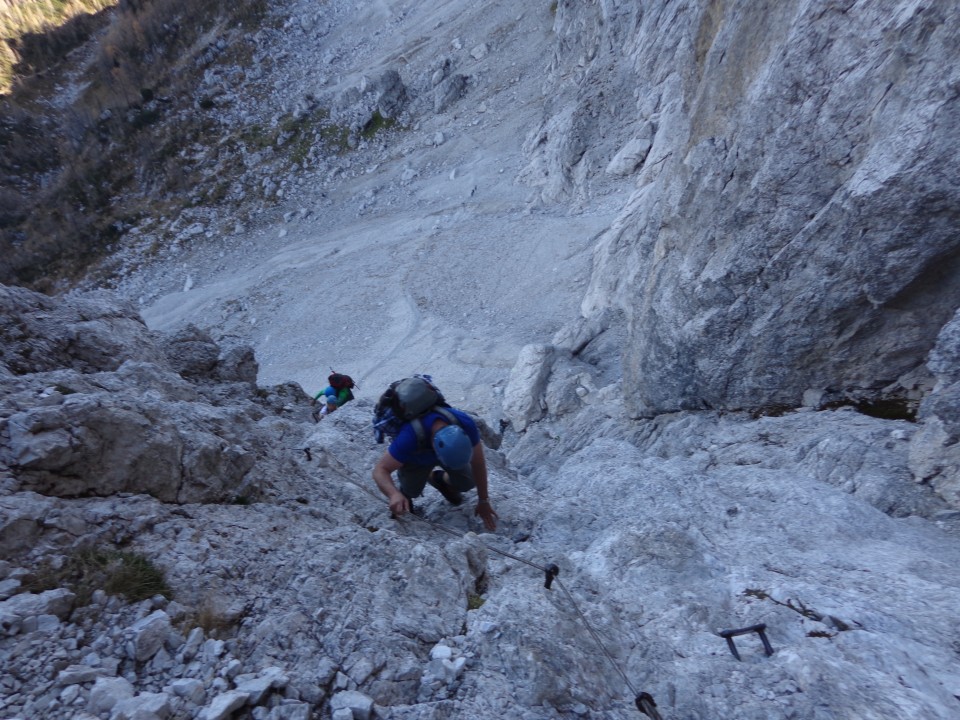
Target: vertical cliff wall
[(794, 223)]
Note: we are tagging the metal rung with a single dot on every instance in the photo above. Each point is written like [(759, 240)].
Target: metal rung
[(758, 629)]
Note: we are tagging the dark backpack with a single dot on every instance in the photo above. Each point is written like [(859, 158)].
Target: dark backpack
[(408, 400), (339, 381)]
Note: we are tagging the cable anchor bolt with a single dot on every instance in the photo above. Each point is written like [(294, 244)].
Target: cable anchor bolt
[(647, 706), (551, 571)]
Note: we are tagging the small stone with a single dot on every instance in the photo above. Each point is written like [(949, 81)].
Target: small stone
[(441, 652), (359, 704), (78, 674), (223, 705)]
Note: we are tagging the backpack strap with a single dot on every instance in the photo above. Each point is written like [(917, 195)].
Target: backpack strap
[(449, 416), (421, 432)]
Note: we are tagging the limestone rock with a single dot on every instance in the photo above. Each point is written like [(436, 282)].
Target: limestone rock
[(523, 401), (143, 706), (50, 602), (392, 94), (105, 444), (192, 352), (935, 448), (224, 705), (89, 335), (359, 705), (107, 692), (630, 156), (740, 297), (149, 635), (449, 91)]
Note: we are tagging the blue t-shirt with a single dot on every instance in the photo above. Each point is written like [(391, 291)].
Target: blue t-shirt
[(404, 445)]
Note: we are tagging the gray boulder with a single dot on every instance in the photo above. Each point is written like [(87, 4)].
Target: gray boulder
[(104, 444), (523, 401), (196, 356), (179, 417), (391, 95), (448, 91), (88, 334)]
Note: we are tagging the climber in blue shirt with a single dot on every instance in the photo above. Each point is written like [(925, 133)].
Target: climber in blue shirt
[(448, 438)]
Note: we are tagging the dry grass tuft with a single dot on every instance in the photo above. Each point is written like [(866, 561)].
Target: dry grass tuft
[(116, 572), (22, 18), (215, 622)]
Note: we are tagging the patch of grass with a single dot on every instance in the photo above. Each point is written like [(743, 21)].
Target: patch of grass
[(116, 572), (375, 124), (300, 149), (208, 616), (297, 136), (474, 602), (553, 7), (254, 14), (258, 137), (336, 137)]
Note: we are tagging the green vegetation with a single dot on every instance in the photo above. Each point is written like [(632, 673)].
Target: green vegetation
[(135, 143), (298, 135), (114, 571), (138, 140), (336, 137), (375, 124), (474, 602)]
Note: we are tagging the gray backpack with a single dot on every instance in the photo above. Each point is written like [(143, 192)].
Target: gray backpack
[(414, 396), (406, 401)]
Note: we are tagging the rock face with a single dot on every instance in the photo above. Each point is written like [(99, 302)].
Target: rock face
[(935, 450), (96, 405), (88, 335), (762, 144), (794, 222)]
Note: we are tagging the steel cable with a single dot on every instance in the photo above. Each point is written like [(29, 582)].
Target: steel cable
[(644, 701)]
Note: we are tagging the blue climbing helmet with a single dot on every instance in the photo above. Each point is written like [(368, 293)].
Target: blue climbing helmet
[(452, 446)]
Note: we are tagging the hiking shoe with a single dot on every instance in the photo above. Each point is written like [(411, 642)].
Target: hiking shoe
[(452, 496)]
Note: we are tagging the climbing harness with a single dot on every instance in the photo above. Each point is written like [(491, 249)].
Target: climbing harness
[(643, 700), (758, 629)]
